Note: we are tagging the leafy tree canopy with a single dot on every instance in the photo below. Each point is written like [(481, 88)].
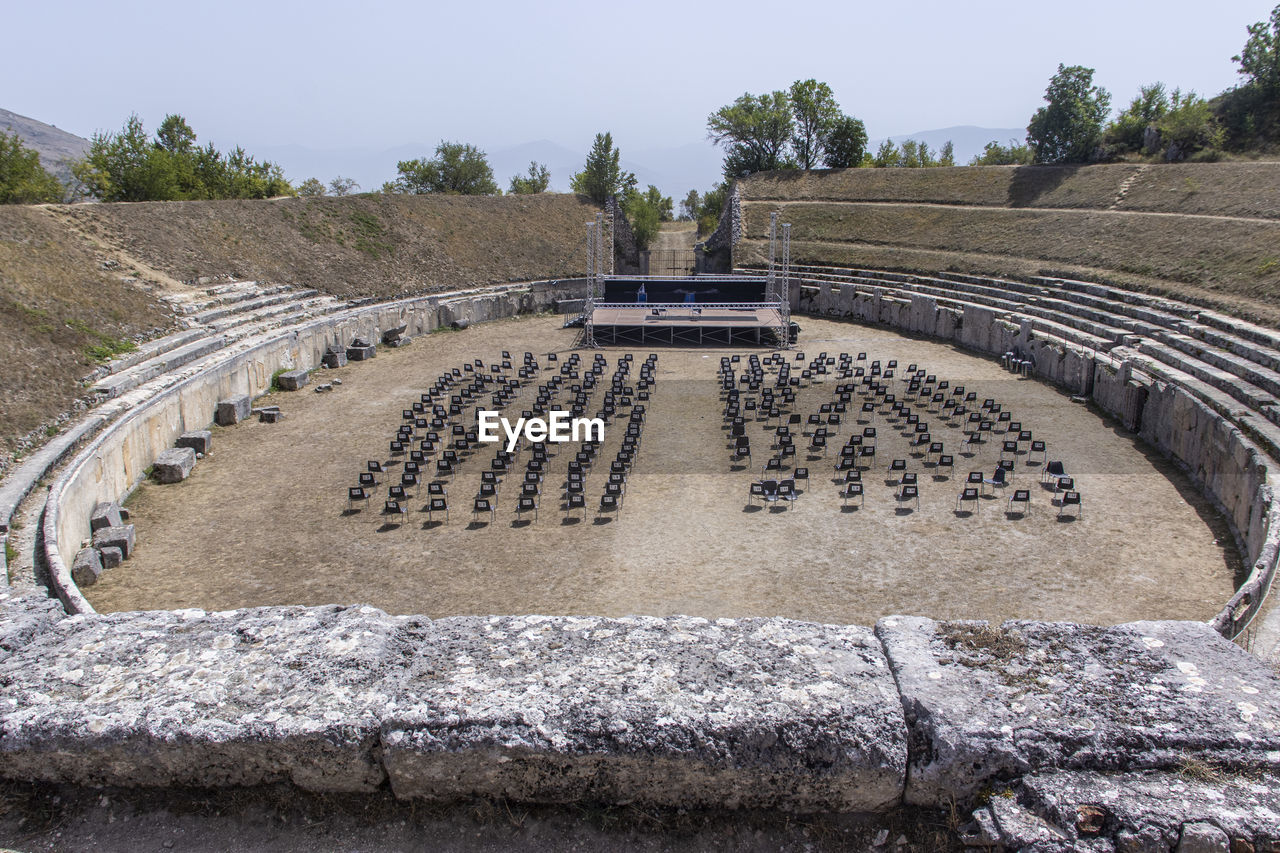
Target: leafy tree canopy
[(645, 211), (22, 179), (457, 169), (815, 112), (603, 176), (1069, 127), (536, 181), (343, 186), (1259, 61), (846, 143), (995, 154), (689, 206), (129, 166), (311, 187), (755, 131)]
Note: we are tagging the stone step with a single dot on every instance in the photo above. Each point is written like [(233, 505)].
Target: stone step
[(276, 315), (116, 384), (246, 306), (146, 351), (1225, 381), (1250, 371)]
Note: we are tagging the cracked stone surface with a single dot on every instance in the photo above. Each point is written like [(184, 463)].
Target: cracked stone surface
[(990, 703), (750, 712)]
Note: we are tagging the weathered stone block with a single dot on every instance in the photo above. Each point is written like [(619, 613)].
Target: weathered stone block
[(111, 557), (105, 515), (121, 537), (390, 336), (232, 410), (174, 465), (358, 353), (752, 713), (86, 568), (335, 356), (292, 380), (201, 441), (23, 618), (400, 342), (270, 416), (990, 703), (286, 694)]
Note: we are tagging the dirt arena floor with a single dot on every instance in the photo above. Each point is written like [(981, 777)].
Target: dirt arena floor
[(262, 520)]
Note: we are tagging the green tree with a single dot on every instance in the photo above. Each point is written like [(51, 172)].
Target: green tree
[(22, 179), (343, 186), (713, 201), (1188, 126), (947, 157), (602, 176), (755, 131), (310, 188), (815, 113), (1128, 131), (456, 169), (645, 211), (689, 207), (995, 154), (127, 166), (887, 155), (1259, 61), (537, 181), (846, 143), (1069, 128)]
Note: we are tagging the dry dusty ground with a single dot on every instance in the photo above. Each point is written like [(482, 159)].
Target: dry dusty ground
[(261, 521)]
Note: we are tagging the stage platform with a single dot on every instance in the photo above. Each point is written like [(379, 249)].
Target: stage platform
[(687, 323)]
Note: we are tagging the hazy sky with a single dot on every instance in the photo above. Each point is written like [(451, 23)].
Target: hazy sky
[(380, 74)]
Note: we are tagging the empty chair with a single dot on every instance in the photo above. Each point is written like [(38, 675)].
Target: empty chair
[(1053, 470), (436, 489), (946, 462), (374, 467), (1020, 502), (757, 491), (438, 504), (395, 507), (1071, 499), (577, 501), (770, 489), (609, 503), (481, 506), (998, 478), (969, 494), (356, 493), (1038, 448), (527, 504), (909, 478), (897, 466), (409, 478), (852, 492), (1008, 450), (1064, 484), (787, 491), (909, 494), (367, 481)]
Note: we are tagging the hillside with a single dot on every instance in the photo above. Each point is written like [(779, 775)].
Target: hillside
[(57, 148), (1209, 233), (75, 278), (56, 303), (355, 246)]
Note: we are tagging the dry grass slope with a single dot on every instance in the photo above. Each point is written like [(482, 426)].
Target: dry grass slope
[(1208, 233), (356, 246), (56, 303)]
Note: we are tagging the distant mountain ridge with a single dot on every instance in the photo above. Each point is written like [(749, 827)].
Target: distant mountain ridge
[(57, 148)]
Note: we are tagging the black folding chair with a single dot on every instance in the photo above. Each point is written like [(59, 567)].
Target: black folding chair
[(969, 494), (527, 504), (483, 505), (356, 493), (852, 491), (435, 505), (1071, 499), (1023, 497), (909, 493)]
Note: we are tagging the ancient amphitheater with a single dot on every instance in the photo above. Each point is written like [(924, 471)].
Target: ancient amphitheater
[(692, 650)]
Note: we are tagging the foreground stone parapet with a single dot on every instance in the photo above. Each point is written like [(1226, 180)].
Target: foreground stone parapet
[(23, 617), (985, 704), (189, 698), (754, 712), (678, 711), (1193, 808)]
